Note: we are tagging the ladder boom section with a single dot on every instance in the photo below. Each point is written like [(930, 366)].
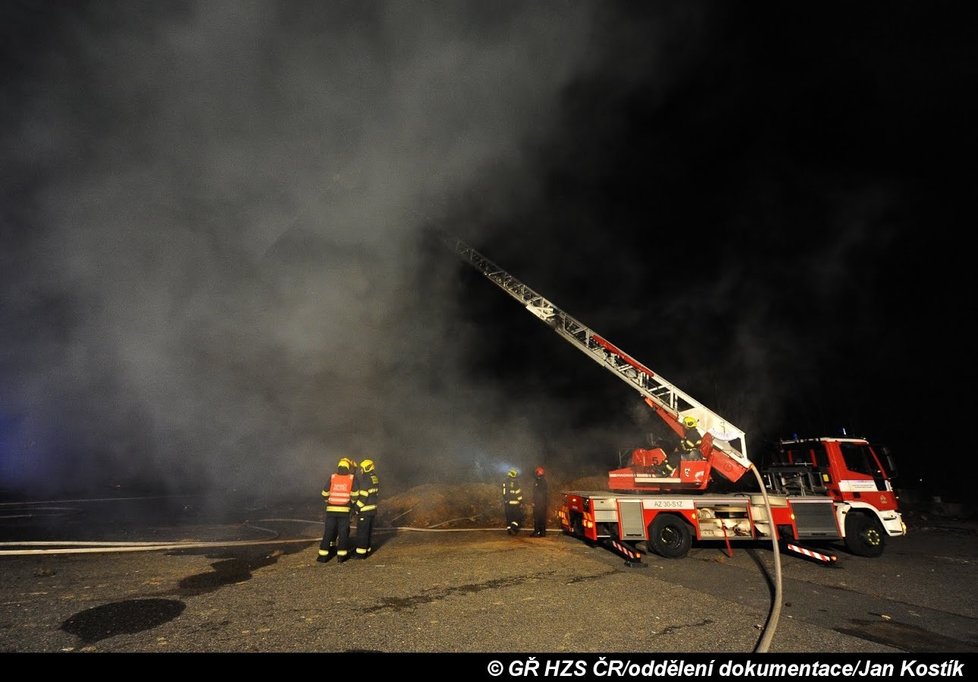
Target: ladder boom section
[(670, 402)]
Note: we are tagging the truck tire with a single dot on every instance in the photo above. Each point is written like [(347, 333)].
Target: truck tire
[(670, 536), (864, 535)]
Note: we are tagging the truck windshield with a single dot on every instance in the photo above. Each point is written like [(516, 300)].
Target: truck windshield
[(860, 459)]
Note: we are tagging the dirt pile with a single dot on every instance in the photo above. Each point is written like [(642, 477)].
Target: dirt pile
[(468, 505)]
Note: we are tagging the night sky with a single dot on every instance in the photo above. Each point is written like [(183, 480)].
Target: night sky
[(218, 266)]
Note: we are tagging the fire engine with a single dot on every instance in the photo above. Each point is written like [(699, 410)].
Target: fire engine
[(818, 490)]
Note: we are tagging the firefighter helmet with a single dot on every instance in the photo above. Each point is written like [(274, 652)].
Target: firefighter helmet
[(346, 463), (689, 422), (367, 466), (513, 473), (539, 471)]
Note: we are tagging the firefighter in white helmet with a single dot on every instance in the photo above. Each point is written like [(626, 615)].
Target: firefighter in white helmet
[(513, 502), (339, 493), (368, 485)]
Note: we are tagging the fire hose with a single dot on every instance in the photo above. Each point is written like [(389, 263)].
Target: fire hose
[(41, 547)]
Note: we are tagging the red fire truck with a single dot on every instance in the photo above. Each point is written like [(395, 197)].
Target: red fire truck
[(817, 490)]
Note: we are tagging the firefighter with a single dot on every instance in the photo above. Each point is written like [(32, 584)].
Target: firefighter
[(689, 444), (339, 494), (368, 485), (540, 503), (513, 502), (354, 466)]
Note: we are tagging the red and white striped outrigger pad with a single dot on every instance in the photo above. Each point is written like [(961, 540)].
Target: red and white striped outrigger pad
[(827, 558)]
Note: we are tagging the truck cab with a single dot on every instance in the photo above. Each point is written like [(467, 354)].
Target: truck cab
[(854, 473)]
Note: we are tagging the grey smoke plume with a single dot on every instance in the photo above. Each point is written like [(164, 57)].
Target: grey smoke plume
[(212, 271)]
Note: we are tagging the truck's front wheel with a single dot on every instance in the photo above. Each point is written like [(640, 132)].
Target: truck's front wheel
[(669, 536), (864, 535)]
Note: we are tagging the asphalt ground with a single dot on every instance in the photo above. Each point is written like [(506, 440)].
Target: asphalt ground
[(256, 587)]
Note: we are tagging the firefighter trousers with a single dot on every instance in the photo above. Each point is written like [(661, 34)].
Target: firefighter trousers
[(514, 518), (336, 535), (365, 530)]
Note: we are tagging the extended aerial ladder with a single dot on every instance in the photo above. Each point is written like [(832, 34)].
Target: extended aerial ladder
[(723, 445)]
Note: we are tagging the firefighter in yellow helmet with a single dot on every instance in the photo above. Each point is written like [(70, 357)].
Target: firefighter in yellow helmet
[(339, 493), (513, 502), (368, 484), (689, 442)]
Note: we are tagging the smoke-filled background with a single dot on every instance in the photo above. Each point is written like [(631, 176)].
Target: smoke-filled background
[(218, 270)]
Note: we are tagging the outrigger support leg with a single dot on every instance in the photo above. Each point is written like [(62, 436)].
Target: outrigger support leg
[(632, 558), (827, 559)]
